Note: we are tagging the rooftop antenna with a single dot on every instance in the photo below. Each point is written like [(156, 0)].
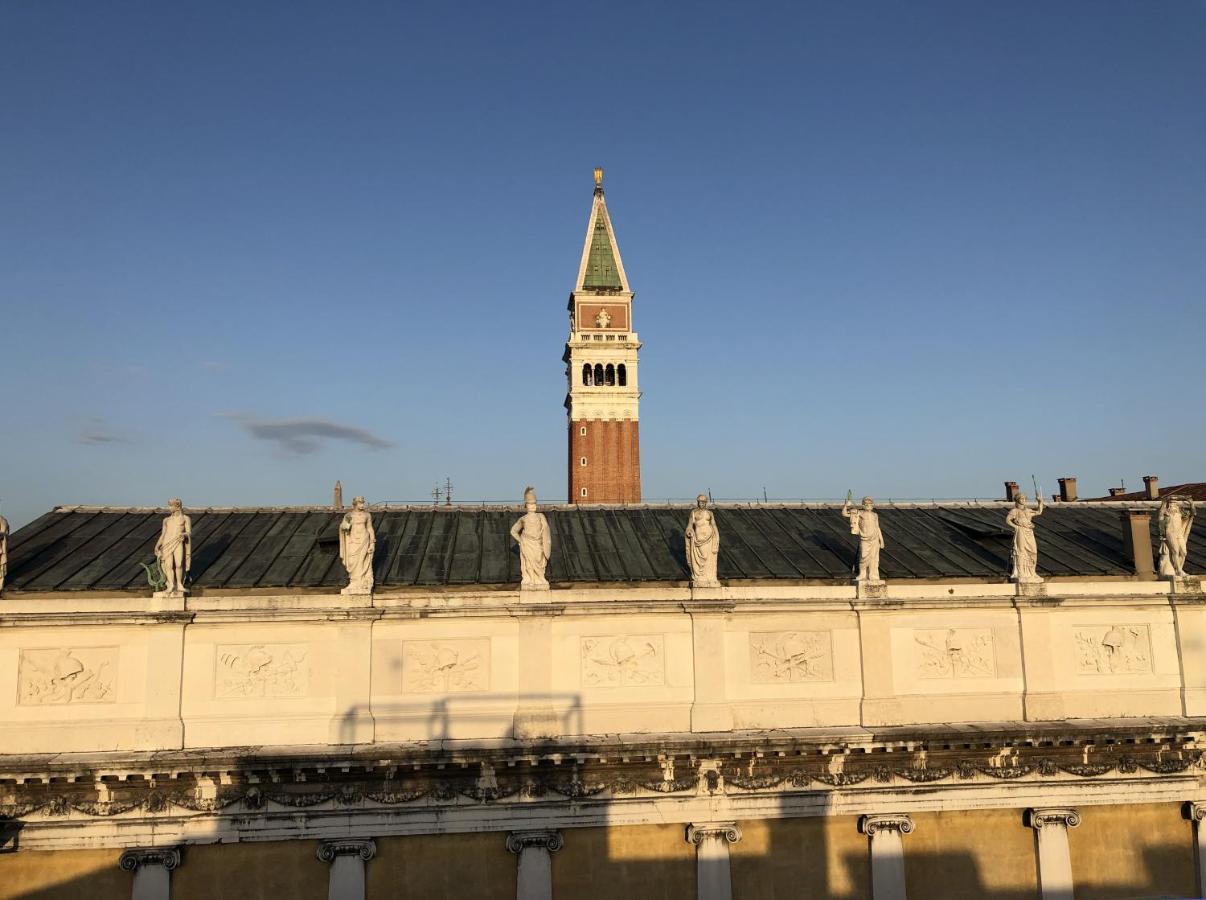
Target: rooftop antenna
[(447, 491), (435, 495), (764, 500)]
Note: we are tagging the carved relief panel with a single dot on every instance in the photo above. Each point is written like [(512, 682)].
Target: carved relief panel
[(246, 671), (442, 667), (1113, 649), (629, 660), (790, 656), (67, 675), (954, 653)]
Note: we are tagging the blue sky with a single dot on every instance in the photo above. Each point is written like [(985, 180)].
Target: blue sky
[(907, 249)]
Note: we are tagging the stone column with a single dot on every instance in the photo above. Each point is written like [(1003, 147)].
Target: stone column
[(347, 859), (1195, 812), (534, 871), (887, 853), (712, 878), (152, 868), (1051, 843)]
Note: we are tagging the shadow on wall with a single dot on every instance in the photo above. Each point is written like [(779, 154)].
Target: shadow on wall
[(491, 716)]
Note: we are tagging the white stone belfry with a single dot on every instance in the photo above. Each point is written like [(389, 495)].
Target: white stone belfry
[(152, 868), (713, 878), (1051, 844), (347, 859), (887, 853), (534, 868)]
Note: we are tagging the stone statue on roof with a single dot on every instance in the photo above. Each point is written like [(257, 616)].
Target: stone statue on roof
[(174, 549), (702, 544), (535, 541), (1175, 520), (3, 550), (1025, 547), (864, 521), (357, 542)]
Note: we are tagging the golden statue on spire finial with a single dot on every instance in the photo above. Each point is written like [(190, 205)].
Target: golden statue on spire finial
[(598, 178)]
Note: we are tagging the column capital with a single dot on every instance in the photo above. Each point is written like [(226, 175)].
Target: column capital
[(1054, 815), (727, 830), (1194, 810), (547, 839), (328, 851), (872, 825), (137, 857)]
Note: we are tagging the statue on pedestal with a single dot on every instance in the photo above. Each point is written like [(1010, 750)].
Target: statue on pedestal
[(702, 544), (1175, 520), (535, 541), (1025, 548), (864, 522), (174, 549), (357, 541)]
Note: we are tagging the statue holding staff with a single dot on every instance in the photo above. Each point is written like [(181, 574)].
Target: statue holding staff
[(702, 544), (174, 549), (864, 522), (1175, 520), (1025, 547), (357, 542), (535, 541)]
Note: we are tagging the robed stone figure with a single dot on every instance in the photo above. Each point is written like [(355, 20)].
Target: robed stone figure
[(1025, 547), (1175, 521), (3, 550), (535, 542), (357, 541), (864, 522), (702, 544), (174, 549)]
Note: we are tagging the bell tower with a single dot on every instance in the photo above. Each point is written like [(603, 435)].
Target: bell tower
[(601, 365)]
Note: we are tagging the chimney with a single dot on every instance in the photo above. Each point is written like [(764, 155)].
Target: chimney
[(1011, 491), (1137, 542), (1117, 491), (337, 501), (1151, 487), (1067, 489)]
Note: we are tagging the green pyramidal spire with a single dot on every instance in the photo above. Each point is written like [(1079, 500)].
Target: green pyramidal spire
[(602, 269)]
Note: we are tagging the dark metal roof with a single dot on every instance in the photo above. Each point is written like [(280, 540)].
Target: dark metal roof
[(76, 549)]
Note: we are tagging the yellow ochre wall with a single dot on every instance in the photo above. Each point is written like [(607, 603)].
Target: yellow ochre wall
[(256, 870), (969, 854), (791, 858), (631, 862), (1132, 851), (474, 866), (63, 875)]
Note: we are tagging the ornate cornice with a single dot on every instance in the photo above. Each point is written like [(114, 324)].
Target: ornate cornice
[(1041, 818), (729, 831), (545, 839), (168, 857), (874, 824), (329, 850)]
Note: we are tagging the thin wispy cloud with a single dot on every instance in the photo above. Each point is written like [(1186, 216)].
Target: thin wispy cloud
[(299, 437), (97, 433), (213, 365)]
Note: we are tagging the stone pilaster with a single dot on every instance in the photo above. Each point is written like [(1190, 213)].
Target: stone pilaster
[(713, 880), (884, 833), (534, 715), (1051, 844), (347, 859), (534, 868), (152, 868), (710, 710)]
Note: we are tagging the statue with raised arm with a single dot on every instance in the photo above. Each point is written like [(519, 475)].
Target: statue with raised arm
[(535, 541), (357, 541), (864, 522), (702, 544), (1025, 548), (3, 550), (174, 549), (1175, 520)]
